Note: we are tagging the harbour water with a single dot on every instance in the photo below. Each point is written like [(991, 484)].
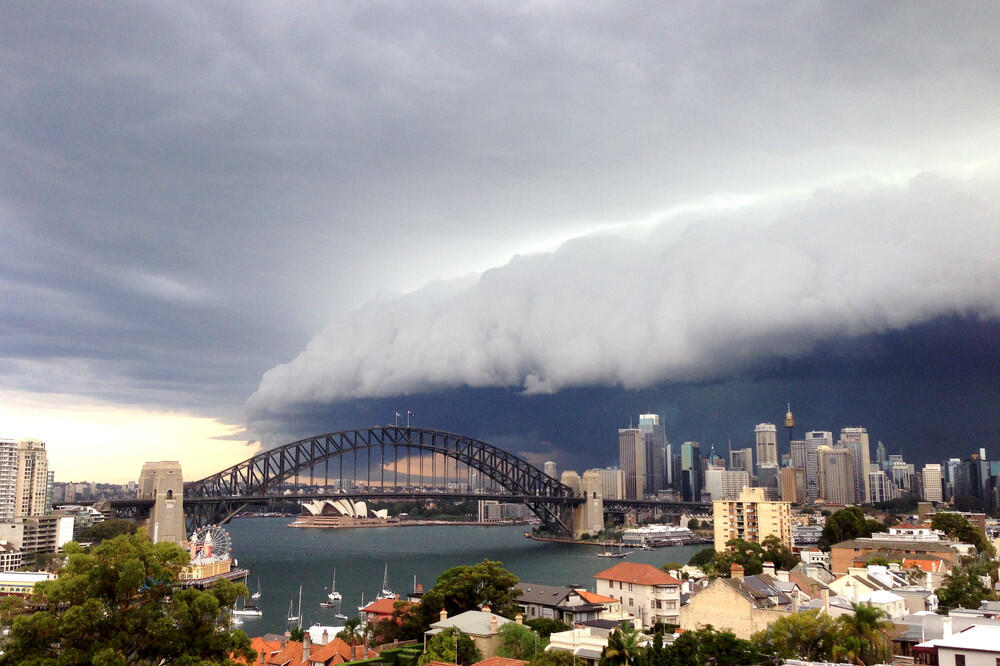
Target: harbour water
[(285, 558)]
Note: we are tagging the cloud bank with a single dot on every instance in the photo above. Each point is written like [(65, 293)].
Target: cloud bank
[(683, 300)]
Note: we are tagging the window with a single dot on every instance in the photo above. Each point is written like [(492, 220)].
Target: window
[(631, 602), (630, 587), (959, 660)]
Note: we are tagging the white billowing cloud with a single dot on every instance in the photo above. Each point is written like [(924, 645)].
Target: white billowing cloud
[(684, 300)]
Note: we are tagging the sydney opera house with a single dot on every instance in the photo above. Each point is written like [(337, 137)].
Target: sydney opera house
[(340, 513)]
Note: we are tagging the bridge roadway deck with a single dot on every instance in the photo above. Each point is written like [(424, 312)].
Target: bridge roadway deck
[(414, 495)]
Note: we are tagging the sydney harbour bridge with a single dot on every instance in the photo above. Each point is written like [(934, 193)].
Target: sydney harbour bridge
[(387, 463)]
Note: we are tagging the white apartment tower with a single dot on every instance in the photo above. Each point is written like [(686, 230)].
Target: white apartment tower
[(766, 435), (612, 483), (932, 483), (32, 479), (8, 479), (549, 467), (632, 457)]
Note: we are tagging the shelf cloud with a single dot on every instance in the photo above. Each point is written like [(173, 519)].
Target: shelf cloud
[(683, 300)]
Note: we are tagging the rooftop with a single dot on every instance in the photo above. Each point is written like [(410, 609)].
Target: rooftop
[(641, 574)]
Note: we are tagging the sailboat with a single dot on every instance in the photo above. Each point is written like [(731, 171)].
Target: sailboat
[(362, 606), (334, 595), (256, 595), (297, 617), (386, 593)]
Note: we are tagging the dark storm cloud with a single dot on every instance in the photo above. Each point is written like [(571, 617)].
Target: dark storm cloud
[(189, 191)]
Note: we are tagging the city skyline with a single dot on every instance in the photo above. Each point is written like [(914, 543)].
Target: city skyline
[(228, 227)]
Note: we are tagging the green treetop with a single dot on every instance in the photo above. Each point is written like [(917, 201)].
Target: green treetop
[(116, 604)]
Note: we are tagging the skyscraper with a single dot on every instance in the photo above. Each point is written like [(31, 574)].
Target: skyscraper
[(766, 435), (855, 440), (836, 474), (741, 460), (691, 471), (804, 458), (32, 479), (612, 482), (549, 467), (932, 483), (655, 439), (880, 456), (881, 487), (632, 457), (8, 479)]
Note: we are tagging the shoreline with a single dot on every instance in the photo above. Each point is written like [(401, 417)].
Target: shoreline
[(406, 523)]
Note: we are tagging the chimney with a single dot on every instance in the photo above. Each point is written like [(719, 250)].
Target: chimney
[(782, 575), (769, 568), (306, 646), (444, 614), (795, 600), (946, 626), (519, 618), (326, 637), (494, 624), (263, 656), (736, 571), (825, 596), (487, 609)]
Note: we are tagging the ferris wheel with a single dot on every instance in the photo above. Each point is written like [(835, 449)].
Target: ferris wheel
[(210, 543)]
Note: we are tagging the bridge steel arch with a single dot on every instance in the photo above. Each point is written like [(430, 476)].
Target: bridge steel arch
[(264, 474)]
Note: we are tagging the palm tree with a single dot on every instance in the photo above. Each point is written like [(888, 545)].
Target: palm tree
[(352, 632), (864, 635), (623, 646)]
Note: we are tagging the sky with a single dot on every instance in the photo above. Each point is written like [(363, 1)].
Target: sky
[(225, 226)]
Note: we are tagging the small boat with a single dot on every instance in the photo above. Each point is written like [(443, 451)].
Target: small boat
[(327, 604), (340, 616), (334, 595), (246, 611), (256, 595)]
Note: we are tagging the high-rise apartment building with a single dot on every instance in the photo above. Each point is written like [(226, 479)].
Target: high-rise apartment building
[(752, 518), (725, 484), (932, 483), (612, 483), (804, 458), (855, 440), (820, 437), (882, 488), (741, 459), (8, 479), (32, 479), (655, 438), (549, 467), (632, 460), (835, 467), (766, 436)]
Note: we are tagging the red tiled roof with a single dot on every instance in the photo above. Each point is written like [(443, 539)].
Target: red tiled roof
[(382, 606), (593, 598), (642, 574), (441, 663), (500, 661)]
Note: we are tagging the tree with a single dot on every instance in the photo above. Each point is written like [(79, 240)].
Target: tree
[(352, 633), (520, 642), (708, 646), (702, 557), (694, 524), (464, 588), (11, 607), (845, 524), (117, 604), (442, 648), (956, 527), (777, 552), (623, 646), (864, 635), (297, 634), (810, 636), (963, 588), (554, 658), (546, 626), (107, 529)]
